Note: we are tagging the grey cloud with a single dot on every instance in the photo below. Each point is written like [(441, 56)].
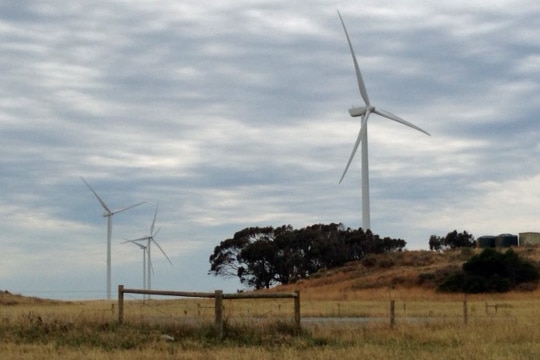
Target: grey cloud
[(234, 115)]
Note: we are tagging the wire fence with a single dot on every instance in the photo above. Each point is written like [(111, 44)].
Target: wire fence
[(196, 310)]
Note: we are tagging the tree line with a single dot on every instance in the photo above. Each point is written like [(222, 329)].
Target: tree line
[(452, 240), (261, 257)]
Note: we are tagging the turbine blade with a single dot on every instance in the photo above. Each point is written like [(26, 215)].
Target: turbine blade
[(136, 243), (361, 85), (127, 208), (358, 140), (391, 116), (97, 197), (135, 240), (163, 252), (154, 221)]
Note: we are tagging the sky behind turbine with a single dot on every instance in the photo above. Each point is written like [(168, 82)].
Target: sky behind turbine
[(234, 114)]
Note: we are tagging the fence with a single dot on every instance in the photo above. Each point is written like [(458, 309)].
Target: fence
[(392, 312), (218, 295)]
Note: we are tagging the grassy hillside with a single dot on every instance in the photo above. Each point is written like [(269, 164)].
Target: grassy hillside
[(411, 273), (8, 299)]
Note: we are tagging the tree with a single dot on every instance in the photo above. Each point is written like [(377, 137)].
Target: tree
[(250, 255), (435, 243), (457, 240), (260, 261), (262, 257), (452, 240), (226, 260)]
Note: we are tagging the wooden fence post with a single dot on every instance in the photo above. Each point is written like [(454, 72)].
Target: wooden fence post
[(392, 312), (120, 303), (465, 311), (219, 313), (297, 308)]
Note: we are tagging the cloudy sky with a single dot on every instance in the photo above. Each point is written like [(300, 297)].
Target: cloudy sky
[(234, 114)]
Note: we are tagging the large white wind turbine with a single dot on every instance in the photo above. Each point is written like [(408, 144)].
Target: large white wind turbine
[(149, 240), (108, 213), (364, 112)]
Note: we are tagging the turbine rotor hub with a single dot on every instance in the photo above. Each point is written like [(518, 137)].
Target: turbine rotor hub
[(361, 110)]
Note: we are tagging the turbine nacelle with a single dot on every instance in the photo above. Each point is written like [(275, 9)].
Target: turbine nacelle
[(360, 110)]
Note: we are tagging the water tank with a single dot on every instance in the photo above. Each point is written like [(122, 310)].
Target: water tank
[(485, 241), (506, 240), (529, 238)]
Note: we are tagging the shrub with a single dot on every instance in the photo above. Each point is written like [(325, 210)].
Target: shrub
[(491, 271), (452, 282), (369, 260)]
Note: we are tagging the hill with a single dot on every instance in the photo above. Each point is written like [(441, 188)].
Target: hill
[(7, 299), (411, 273)]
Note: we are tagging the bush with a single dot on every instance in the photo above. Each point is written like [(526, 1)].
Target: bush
[(452, 283), (491, 271), (370, 260)]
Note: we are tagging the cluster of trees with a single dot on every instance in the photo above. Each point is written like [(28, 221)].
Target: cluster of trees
[(491, 271), (264, 256), (452, 240)]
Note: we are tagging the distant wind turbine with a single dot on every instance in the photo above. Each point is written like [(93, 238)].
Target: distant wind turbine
[(108, 213), (143, 248), (364, 112), (149, 240)]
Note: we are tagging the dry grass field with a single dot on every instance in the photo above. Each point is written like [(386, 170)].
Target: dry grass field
[(345, 315)]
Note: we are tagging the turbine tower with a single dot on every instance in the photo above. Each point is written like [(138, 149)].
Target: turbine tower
[(143, 248), (149, 240), (364, 112), (108, 213)]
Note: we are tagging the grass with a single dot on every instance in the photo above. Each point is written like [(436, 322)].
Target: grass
[(428, 324), (89, 330), (489, 337)]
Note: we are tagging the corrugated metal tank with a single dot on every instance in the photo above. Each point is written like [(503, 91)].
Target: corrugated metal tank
[(529, 238)]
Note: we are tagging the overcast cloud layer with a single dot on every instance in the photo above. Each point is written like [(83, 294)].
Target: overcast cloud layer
[(234, 114)]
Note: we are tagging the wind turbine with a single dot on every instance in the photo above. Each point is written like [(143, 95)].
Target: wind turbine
[(149, 240), (108, 213), (143, 248), (364, 112)]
